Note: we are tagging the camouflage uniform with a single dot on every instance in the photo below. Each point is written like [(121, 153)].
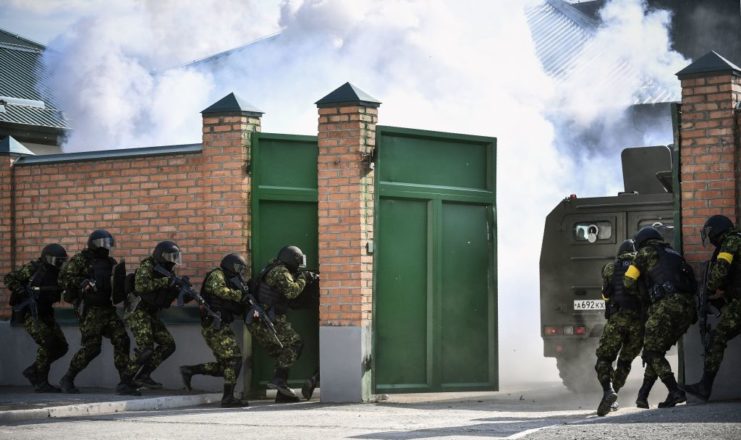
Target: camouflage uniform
[(623, 333), (284, 282), (99, 318), (45, 330), (146, 326), (669, 318), (222, 341), (725, 276)]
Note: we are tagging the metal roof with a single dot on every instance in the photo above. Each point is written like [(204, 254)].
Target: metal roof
[(348, 94), (21, 101), (563, 34), (232, 103)]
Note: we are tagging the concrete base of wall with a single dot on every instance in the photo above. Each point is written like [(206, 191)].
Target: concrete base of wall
[(344, 356), (20, 350), (728, 382)]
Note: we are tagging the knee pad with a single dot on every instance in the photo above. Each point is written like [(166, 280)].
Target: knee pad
[(649, 356), (298, 348), (143, 355), (625, 365)]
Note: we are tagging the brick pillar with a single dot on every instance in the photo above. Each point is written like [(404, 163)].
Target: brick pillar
[(709, 181), (227, 136), (10, 150), (347, 127), (5, 230), (709, 148)]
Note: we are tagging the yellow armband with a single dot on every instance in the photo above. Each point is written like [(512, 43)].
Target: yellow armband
[(633, 273), (725, 256)]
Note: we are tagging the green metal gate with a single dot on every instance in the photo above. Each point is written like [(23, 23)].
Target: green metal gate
[(435, 299), (284, 211)]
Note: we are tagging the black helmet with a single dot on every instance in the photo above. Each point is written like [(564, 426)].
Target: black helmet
[(54, 255), (233, 264), (646, 233), (101, 242), (714, 229), (627, 246), (167, 254), (292, 257)]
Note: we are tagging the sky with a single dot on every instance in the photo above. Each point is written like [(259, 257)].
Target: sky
[(120, 70)]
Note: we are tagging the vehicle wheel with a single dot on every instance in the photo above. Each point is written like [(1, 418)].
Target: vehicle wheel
[(577, 372)]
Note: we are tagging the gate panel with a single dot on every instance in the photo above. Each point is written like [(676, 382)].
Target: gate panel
[(402, 320), (284, 211), (436, 262), (465, 312)]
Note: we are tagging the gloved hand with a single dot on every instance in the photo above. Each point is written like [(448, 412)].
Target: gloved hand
[(310, 277)]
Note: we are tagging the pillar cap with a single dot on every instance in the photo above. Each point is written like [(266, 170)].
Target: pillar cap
[(348, 94), (708, 64), (9, 145), (232, 103)]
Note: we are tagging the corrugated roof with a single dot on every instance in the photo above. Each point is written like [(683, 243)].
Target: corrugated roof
[(19, 75), (563, 35)]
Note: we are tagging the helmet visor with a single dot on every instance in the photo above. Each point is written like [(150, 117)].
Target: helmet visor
[(104, 243), (55, 261), (705, 235), (172, 257), (302, 264)]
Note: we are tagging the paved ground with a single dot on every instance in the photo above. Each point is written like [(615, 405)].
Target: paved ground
[(535, 411)]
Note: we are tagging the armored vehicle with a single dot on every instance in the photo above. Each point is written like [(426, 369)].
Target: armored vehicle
[(582, 235)]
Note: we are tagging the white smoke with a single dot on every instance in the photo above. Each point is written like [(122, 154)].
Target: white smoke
[(466, 67)]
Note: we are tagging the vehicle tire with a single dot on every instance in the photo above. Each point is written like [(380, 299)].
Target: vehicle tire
[(577, 372)]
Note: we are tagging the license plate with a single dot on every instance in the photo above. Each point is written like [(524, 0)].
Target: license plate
[(589, 304)]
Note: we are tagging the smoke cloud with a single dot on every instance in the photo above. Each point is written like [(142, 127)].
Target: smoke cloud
[(469, 67)]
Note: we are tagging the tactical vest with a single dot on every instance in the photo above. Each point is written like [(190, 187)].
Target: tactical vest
[(46, 278), (226, 307), (276, 301), (158, 299), (619, 296), (670, 275), (100, 270)]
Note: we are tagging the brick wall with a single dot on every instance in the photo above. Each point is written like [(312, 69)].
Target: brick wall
[(346, 194), (198, 200), (709, 155)]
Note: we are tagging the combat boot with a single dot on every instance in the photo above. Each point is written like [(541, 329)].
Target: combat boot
[(67, 384), (703, 388), (675, 396), (46, 387), (188, 371), (307, 390), (31, 375), (143, 380), (280, 384), (609, 397), (642, 399), (229, 401), (127, 388)]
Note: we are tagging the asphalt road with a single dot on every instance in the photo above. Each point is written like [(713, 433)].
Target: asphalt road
[(534, 411)]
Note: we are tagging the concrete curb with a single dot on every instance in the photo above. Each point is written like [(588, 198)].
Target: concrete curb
[(100, 408)]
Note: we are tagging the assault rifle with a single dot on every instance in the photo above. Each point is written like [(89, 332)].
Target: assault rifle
[(254, 309), (186, 289), (703, 309)]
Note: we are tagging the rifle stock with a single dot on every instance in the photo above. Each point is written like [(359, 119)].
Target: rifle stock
[(186, 289), (255, 309)]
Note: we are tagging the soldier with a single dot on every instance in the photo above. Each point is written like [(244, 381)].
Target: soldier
[(86, 280), (226, 299), (281, 281), (34, 289), (153, 292), (724, 288), (623, 332), (671, 286)]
